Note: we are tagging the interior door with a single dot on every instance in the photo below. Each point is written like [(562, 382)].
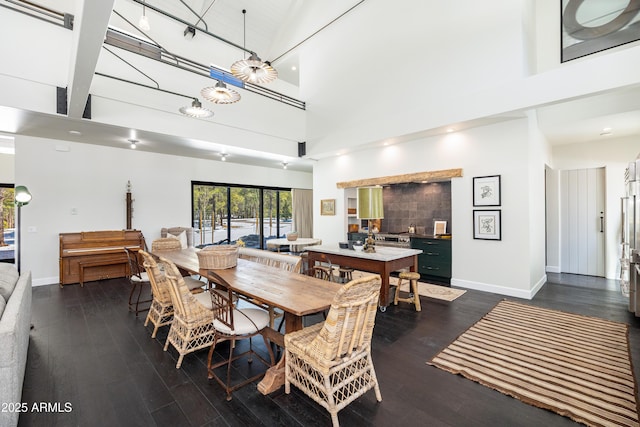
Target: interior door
[(582, 221)]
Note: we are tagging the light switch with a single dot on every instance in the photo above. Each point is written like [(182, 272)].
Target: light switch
[(32, 229)]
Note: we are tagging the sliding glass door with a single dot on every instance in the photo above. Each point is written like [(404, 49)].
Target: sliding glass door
[(224, 213)]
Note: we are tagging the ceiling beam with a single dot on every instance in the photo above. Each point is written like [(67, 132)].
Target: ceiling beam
[(90, 26), (429, 176)]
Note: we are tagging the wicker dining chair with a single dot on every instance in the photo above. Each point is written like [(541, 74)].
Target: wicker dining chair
[(286, 262), (139, 279), (331, 361), (171, 244), (192, 326), (233, 324), (161, 311)]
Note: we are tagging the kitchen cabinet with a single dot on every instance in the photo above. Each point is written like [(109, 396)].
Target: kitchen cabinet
[(434, 263), (353, 223)]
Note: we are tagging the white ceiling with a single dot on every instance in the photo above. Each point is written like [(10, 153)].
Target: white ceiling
[(273, 31)]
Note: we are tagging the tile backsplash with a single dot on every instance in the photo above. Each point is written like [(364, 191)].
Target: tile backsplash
[(416, 204)]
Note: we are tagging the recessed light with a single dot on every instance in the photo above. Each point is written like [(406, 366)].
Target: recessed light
[(450, 130), (223, 156), (75, 132), (133, 143), (606, 131), (294, 68)]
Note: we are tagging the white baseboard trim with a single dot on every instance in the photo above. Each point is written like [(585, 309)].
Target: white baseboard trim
[(45, 281), (502, 290), (553, 269)]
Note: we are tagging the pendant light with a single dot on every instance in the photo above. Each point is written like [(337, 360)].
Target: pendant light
[(196, 110), (144, 21), (220, 94), (253, 69)]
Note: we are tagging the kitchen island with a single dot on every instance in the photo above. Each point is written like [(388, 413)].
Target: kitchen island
[(383, 261)]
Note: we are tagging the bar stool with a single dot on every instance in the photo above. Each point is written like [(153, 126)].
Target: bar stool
[(346, 274), (414, 296)]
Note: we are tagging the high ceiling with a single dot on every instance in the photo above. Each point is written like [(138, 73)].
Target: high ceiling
[(272, 29)]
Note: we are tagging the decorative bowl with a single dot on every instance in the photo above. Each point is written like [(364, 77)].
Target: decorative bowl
[(358, 248), (292, 236)]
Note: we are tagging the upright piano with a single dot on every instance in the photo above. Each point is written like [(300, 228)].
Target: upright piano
[(95, 255)]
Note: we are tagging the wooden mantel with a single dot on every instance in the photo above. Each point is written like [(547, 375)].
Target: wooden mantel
[(430, 176)]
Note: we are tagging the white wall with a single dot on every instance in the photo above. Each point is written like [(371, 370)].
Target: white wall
[(7, 168), (513, 266), (92, 180), (613, 154)]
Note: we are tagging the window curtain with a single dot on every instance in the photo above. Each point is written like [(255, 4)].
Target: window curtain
[(302, 211)]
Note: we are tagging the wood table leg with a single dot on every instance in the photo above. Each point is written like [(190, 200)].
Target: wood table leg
[(274, 377)]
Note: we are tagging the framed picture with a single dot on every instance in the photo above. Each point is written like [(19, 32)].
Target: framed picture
[(328, 207), (487, 225), (439, 227), (486, 190), (596, 25)]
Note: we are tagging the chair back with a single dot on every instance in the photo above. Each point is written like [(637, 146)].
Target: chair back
[(165, 244), (159, 283), (349, 325), (177, 230), (222, 302), (134, 263), (185, 305), (285, 262)]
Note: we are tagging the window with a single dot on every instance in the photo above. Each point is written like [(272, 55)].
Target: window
[(7, 223), (224, 213)]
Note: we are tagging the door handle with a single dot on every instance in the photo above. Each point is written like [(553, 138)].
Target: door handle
[(601, 222)]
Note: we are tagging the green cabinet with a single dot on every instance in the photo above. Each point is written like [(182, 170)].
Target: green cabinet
[(435, 260)]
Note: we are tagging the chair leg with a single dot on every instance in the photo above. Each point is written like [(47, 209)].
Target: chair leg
[(416, 295), (397, 293)]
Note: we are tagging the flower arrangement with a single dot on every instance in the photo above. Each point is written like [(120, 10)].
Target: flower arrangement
[(240, 243)]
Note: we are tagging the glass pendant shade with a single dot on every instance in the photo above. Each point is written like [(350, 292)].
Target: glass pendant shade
[(220, 94), (370, 203), (196, 110), (254, 70)]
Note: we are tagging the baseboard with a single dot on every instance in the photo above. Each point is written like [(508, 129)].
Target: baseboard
[(45, 281), (553, 269), (502, 290)]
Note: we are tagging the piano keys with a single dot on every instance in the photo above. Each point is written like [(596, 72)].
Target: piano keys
[(96, 255)]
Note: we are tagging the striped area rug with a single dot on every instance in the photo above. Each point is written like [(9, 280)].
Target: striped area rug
[(576, 366)]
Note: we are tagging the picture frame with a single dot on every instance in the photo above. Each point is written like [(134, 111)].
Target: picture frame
[(605, 26), (328, 207), (486, 190), (487, 224), (439, 227)]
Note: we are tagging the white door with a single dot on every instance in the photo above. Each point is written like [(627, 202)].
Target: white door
[(582, 220)]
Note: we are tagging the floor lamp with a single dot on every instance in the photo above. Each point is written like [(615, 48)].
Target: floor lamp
[(370, 207), (22, 197)]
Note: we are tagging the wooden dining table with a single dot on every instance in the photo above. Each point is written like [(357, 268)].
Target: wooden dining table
[(296, 294)]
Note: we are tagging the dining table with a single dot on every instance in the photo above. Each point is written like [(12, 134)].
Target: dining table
[(297, 295), (296, 245)]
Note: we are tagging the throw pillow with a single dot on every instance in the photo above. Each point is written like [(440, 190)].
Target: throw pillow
[(182, 236), (8, 279)]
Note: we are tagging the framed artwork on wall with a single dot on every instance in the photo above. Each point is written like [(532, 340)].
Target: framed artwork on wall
[(486, 190), (596, 25), (328, 207), (487, 224)]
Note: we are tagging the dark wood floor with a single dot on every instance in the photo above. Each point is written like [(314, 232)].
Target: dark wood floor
[(88, 351)]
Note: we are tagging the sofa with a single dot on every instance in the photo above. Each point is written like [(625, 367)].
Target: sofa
[(15, 323)]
